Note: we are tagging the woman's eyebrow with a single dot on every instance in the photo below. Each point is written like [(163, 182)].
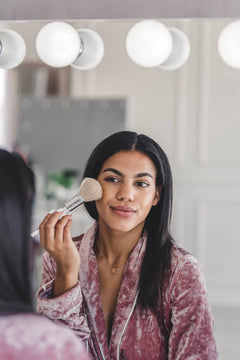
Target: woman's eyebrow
[(143, 174), (117, 172)]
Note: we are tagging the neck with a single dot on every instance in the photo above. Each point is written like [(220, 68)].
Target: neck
[(116, 246)]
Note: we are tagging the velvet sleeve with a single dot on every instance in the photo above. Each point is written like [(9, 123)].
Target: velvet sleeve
[(191, 335), (67, 308)]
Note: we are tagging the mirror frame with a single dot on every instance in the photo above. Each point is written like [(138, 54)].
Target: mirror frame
[(114, 9)]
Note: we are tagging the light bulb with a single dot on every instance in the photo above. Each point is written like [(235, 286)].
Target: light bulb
[(229, 44), (58, 44), (149, 43), (12, 49), (180, 50), (91, 52)]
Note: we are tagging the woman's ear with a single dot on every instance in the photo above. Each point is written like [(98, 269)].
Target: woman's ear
[(157, 195)]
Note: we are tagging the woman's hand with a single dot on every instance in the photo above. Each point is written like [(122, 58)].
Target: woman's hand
[(55, 238)]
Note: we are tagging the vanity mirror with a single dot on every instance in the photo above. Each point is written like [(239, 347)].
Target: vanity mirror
[(193, 112)]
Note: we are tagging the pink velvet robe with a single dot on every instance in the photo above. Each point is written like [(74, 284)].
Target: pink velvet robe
[(136, 334), (32, 337)]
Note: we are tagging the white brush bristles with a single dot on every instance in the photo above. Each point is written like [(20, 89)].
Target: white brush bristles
[(90, 190)]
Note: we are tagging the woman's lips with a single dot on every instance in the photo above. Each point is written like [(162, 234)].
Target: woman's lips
[(124, 211)]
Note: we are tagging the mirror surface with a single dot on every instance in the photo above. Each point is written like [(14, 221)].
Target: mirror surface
[(56, 116)]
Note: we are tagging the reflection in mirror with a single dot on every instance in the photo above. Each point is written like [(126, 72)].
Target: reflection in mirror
[(12, 49), (56, 116)]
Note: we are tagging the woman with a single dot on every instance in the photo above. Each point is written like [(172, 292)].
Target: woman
[(23, 334), (124, 286)]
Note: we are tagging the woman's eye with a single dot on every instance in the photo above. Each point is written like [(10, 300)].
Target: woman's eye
[(111, 179), (142, 184)]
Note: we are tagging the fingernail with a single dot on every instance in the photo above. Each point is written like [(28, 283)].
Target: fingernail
[(51, 211), (59, 210)]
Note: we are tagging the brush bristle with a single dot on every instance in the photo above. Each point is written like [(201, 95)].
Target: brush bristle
[(90, 190)]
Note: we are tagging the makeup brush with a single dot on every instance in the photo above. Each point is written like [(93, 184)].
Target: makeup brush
[(90, 190)]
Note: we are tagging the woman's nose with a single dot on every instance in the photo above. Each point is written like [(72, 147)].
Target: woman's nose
[(125, 193)]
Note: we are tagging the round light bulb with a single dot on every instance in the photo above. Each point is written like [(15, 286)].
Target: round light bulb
[(12, 49), (149, 43), (229, 44), (58, 44), (180, 50), (92, 50)]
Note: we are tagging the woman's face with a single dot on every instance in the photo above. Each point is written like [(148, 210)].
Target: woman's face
[(128, 180)]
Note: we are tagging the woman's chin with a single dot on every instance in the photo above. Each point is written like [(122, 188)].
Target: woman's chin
[(123, 225)]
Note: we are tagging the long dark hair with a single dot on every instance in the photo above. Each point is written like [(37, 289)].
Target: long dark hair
[(16, 196), (157, 255)]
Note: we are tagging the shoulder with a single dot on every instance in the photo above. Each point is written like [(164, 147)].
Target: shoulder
[(181, 257), (32, 334), (184, 267), (184, 281)]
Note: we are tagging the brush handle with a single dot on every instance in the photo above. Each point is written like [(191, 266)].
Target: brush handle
[(73, 203), (65, 212), (35, 233)]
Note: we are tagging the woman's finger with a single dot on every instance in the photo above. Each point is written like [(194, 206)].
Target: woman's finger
[(47, 228), (67, 231), (60, 229), (50, 228), (42, 228)]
